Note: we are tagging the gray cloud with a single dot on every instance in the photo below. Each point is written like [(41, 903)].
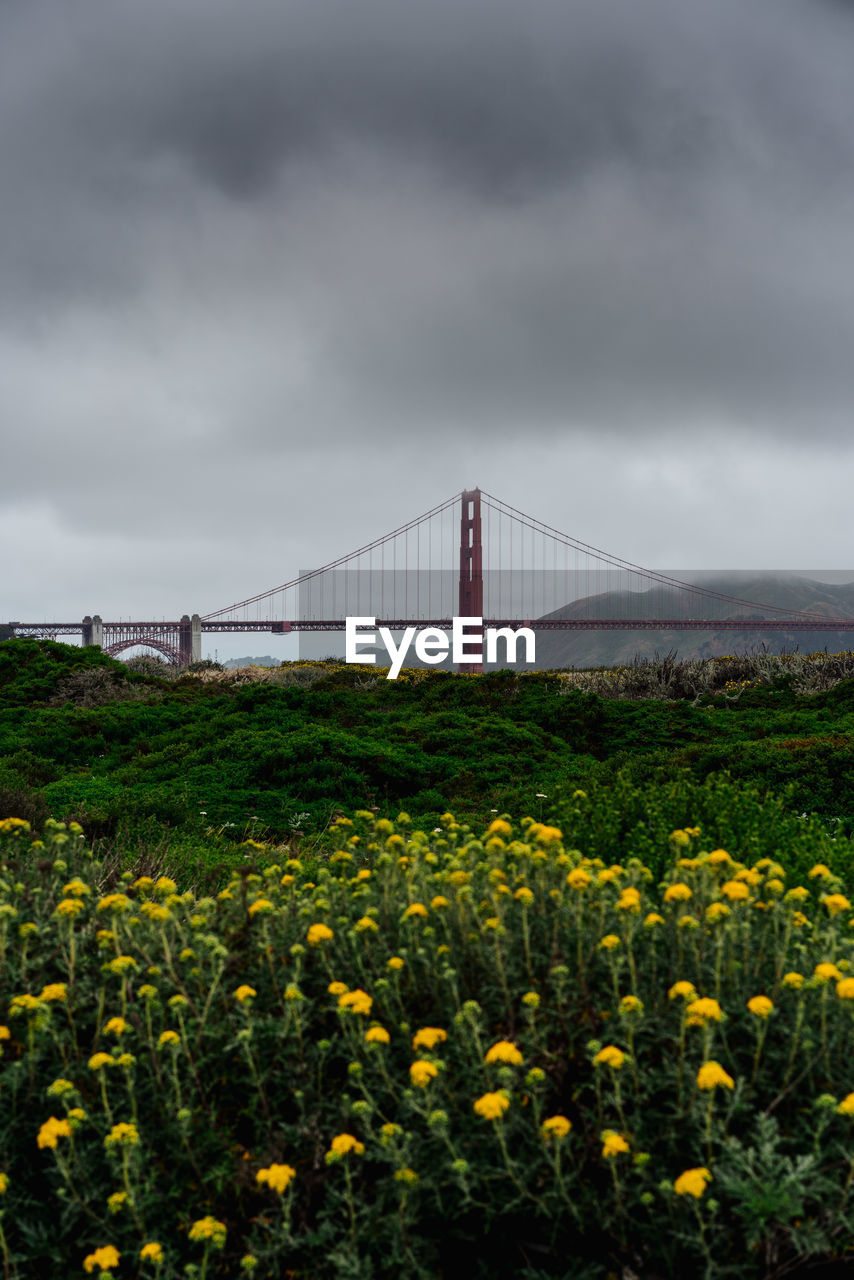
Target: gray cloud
[(252, 252)]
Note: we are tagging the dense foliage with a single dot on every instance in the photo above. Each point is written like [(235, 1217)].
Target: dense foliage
[(186, 768), (433, 1054)]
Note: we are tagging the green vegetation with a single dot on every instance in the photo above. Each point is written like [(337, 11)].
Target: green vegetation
[(256, 1027), (179, 771), (465, 1052)]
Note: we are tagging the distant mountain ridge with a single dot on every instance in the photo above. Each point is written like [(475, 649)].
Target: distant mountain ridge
[(783, 591)]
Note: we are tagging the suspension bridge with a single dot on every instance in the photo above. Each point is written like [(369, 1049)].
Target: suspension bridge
[(472, 556)]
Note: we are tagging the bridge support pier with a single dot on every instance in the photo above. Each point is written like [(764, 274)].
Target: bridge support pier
[(190, 639), (93, 631)]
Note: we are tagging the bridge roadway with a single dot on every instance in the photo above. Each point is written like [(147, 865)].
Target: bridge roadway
[(224, 625)]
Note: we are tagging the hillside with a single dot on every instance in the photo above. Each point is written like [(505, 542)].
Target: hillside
[(607, 648)]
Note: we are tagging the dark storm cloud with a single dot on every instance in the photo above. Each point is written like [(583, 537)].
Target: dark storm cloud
[(233, 236), (665, 189)]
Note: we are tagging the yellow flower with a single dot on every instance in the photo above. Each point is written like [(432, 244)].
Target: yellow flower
[(366, 924), (422, 1072), (798, 894), (578, 878), (651, 920), (13, 826), (610, 1056), (51, 1131), (677, 893), (26, 1002), (610, 941), (104, 1259), (793, 980), (428, 1038), (692, 1182), (820, 871), (59, 1088), (492, 1105), (735, 890), (825, 971), (524, 895), (114, 902), (415, 909), (208, 1228), (115, 1027), (99, 1060), (761, 1006), (278, 1177), (337, 988), (498, 827), (245, 992), (69, 907), (544, 835), (377, 1035), (712, 1074), (5, 1033), (344, 1143), (718, 857), (122, 1135), (846, 1106), (613, 1144), (395, 962), (319, 933), (836, 902), (716, 911), (260, 905), (54, 991), (845, 989), (629, 900), (357, 1001), (407, 1175), (630, 1004), (504, 1051), (151, 1252), (169, 1037), (116, 1202), (703, 1010), (682, 989), (437, 903), (555, 1127), (155, 911)]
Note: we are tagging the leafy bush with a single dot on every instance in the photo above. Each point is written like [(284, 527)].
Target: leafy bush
[(445, 1053)]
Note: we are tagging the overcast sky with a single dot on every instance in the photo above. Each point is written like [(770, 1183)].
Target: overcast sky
[(277, 276)]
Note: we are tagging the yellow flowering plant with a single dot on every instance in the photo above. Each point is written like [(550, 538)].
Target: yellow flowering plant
[(501, 1014)]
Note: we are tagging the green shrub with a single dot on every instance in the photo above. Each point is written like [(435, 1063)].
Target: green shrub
[(431, 1054)]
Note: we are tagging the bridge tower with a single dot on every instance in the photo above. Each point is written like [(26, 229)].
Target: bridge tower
[(190, 639), (93, 631), (471, 564)]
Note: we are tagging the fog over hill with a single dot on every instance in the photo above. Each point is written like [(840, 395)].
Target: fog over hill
[(789, 591)]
